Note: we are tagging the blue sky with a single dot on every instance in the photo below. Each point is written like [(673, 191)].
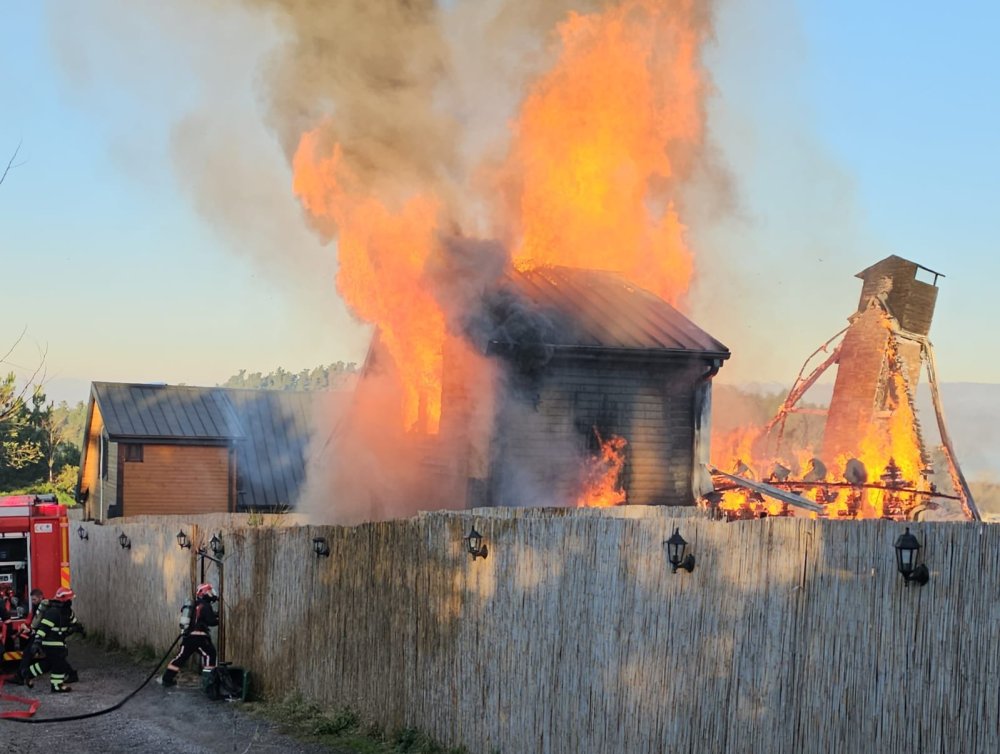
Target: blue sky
[(850, 130)]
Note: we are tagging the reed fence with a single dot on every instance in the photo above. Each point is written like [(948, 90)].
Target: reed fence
[(574, 636)]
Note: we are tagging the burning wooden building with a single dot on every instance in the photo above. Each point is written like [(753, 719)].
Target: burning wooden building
[(570, 387), (872, 460), (604, 396)]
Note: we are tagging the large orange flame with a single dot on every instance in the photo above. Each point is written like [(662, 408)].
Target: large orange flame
[(596, 144), (383, 253), (602, 484)]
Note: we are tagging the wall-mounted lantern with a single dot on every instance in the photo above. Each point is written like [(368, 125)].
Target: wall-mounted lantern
[(183, 540), (474, 544), (218, 549), (124, 541), (321, 548), (676, 546), (82, 533), (907, 550)]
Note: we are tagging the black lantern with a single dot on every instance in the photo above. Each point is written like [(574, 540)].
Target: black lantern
[(183, 541), (474, 544), (217, 547), (321, 548), (907, 550), (124, 541), (676, 546), (82, 533)]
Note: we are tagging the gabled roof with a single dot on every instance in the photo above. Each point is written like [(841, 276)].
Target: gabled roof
[(271, 462), (597, 309), (166, 412)]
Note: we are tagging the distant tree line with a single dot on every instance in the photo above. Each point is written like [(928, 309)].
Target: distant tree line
[(338, 375)]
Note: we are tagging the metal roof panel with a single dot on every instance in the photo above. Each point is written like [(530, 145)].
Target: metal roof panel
[(599, 309)]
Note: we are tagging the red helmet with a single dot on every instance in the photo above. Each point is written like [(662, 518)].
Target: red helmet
[(205, 590), (64, 594)]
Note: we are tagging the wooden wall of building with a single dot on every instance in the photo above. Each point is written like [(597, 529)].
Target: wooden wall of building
[(573, 636), (546, 430), (100, 477), (177, 479)]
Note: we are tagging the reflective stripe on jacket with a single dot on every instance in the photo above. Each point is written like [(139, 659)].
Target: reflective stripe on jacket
[(56, 624)]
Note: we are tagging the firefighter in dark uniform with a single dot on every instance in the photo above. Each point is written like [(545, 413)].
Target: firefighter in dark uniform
[(38, 607), (8, 612), (57, 623), (197, 636)]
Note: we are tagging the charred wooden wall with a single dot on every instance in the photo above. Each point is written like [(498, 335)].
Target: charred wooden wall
[(574, 637), (548, 425)]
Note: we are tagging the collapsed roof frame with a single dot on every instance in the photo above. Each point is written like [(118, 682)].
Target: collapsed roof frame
[(896, 333)]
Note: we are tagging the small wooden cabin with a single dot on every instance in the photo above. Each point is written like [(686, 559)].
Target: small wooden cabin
[(588, 355), (169, 449)]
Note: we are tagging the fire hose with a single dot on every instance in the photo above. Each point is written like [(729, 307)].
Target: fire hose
[(27, 715)]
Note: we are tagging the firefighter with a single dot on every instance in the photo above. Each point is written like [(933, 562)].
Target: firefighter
[(38, 607), (57, 623), (197, 636), (8, 611)]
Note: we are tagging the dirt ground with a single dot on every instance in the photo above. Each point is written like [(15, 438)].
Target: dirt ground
[(181, 719)]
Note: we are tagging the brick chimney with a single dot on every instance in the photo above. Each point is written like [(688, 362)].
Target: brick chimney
[(892, 301)]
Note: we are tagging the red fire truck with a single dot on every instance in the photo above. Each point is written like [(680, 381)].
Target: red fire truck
[(34, 554)]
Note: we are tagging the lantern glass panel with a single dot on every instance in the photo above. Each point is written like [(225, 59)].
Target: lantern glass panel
[(905, 559), (907, 547), (475, 541), (676, 546)]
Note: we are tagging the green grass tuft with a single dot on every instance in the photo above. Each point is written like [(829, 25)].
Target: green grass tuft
[(345, 730)]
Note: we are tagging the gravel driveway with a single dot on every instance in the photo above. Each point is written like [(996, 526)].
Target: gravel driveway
[(181, 719)]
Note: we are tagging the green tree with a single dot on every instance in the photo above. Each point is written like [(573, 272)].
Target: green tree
[(62, 427), (20, 444)]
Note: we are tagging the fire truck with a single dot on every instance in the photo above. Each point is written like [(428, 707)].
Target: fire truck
[(34, 554)]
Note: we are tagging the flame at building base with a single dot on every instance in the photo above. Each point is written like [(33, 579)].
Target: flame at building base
[(602, 486)]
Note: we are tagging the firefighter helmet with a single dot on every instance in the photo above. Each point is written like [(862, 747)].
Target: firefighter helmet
[(205, 590), (64, 594)]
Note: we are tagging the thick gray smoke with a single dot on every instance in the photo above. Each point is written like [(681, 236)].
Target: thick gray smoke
[(373, 73)]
